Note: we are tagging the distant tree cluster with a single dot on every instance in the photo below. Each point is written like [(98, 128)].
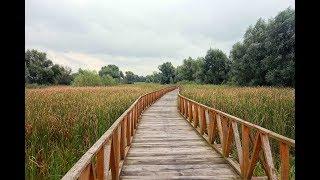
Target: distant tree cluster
[(265, 57), (267, 54), (40, 70)]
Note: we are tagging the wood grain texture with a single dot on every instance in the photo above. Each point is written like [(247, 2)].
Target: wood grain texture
[(166, 146)]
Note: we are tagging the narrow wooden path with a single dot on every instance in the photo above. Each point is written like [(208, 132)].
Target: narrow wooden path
[(165, 146), (164, 135)]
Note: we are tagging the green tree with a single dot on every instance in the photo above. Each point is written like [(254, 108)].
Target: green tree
[(130, 77), (199, 76), (62, 75), (26, 74), (247, 56), (87, 78), (39, 67), (111, 70), (167, 73), (141, 79), (40, 70), (266, 56), (189, 69), (155, 77), (215, 67), (107, 80), (280, 44)]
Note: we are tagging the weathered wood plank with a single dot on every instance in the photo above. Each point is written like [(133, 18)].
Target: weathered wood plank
[(213, 177), (165, 145)]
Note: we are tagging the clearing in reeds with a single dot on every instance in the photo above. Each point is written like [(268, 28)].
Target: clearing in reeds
[(62, 123)]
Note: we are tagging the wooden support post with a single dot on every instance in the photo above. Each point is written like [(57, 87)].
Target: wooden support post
[(220, 130), (203, 124), (187, 108), (182, 106), (229, 140), (135, 116), (196, 113), (128, 130), (114, 161), (122, 140), (284, 160), (212, 129), (268, 156), (190, 111), (237, 142), (88, 173), (245, 150), (100, 164), (131, 122)]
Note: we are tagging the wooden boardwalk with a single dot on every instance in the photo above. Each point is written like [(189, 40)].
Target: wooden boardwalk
[(165, 146), (164, 135)]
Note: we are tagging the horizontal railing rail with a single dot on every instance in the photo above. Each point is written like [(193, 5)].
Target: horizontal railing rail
[(105, 158), (222, 132)]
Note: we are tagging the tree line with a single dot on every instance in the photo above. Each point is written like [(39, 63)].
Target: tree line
[(41, 71), (266, 56)]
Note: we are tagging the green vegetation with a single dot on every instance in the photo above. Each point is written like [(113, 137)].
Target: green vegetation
[(87, 78), (271, 108), (40, 70), (266, 57), (62, 123)]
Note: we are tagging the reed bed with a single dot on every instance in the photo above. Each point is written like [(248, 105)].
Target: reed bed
[(62, 123), (270, 107)]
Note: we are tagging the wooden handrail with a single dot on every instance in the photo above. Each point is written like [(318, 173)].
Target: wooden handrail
[(221, 131), (106, 156)]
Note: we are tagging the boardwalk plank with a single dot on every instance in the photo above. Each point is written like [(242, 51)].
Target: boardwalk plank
[(166, 146)]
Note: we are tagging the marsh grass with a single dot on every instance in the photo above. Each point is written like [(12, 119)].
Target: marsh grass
[(62, 123), (271, 108)]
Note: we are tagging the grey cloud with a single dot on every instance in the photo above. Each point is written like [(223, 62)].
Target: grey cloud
[(142, 33)]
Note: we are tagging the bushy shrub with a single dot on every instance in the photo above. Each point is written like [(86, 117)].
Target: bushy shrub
[(87, 78), (107, 80)]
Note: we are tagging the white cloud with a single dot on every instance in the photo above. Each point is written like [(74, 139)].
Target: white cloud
[(139, 35)]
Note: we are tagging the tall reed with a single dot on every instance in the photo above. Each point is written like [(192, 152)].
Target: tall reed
[(62, 123)]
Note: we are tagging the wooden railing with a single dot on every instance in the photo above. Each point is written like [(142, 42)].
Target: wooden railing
[(105, 158), (221, 131)]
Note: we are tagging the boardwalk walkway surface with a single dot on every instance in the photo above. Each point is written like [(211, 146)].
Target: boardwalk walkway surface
[(165, 146)]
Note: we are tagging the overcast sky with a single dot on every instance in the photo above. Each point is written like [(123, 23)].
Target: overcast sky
[(139, 35)]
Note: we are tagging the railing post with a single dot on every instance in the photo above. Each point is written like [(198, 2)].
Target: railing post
[(137, 114), (182, 106), (284, 160), (245, 150), (196, 114), (100, 163), (143, 103), (122, 140), (212, 127), (131, 122), (128, 130), (203, 124), (190, 111), (114, 165), (186, 109)]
